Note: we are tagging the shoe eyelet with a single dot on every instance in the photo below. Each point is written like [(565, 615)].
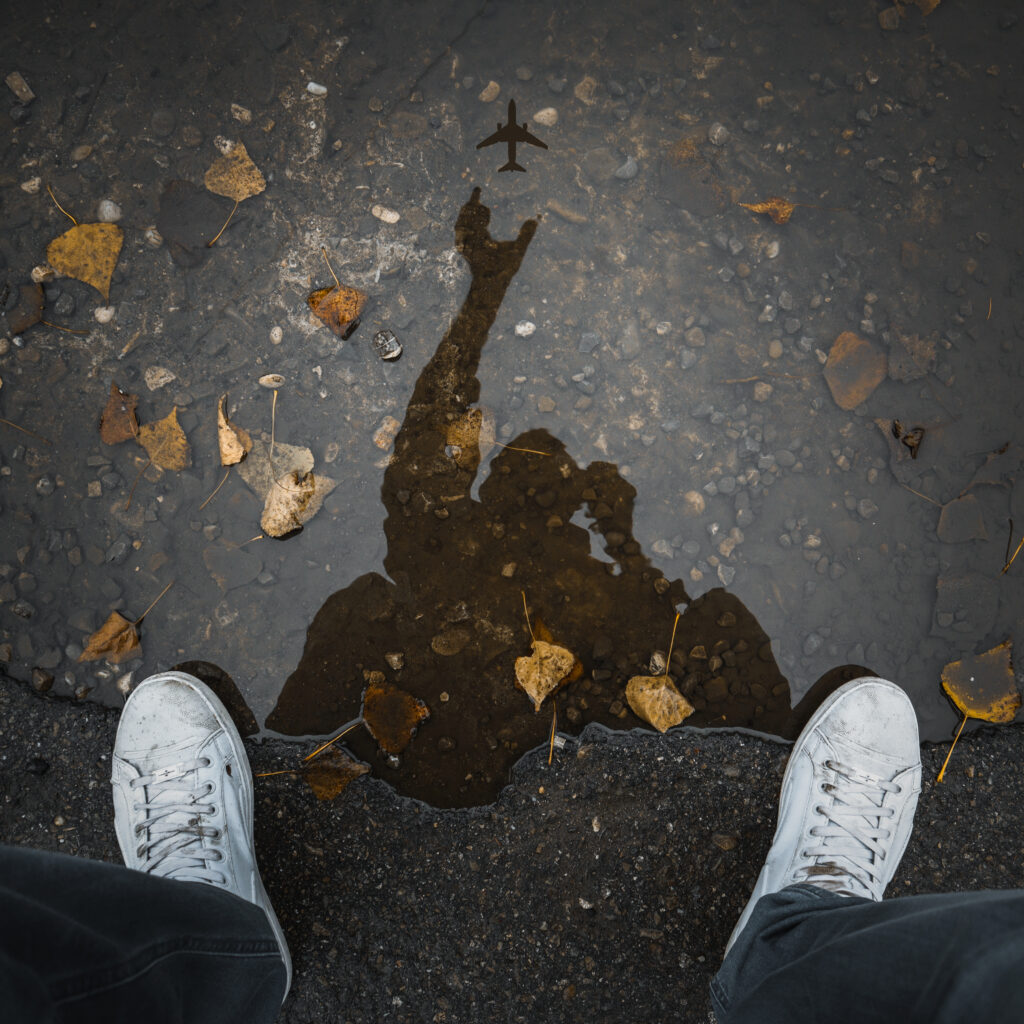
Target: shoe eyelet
[(211, 787)]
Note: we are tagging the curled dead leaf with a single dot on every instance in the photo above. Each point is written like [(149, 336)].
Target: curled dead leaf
[(117, 421), (545, 671), (88, 252), (780, 210), (656, 700), (293, 500), (330, 775), (234, 442), (339, 307), (165, 442), (391, 715), (235, 175), (116, 640)]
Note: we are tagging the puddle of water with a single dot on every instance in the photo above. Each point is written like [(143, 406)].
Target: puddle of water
[(674, 371)]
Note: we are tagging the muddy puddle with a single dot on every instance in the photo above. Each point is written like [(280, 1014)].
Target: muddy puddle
[(621, 393)]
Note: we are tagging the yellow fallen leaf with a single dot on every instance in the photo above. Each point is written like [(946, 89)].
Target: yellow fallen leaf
[(780, 210), (235, 175), (982, 686), (234, 442), (338, 307), (656, 700), (87, 252), (293, 500), (165, 442), (116, 640), (329, 776), (544, 671)]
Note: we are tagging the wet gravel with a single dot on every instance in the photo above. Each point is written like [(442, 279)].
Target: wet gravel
[(602, 887)]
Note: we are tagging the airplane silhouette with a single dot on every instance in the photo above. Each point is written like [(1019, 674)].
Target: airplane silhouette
[(512, 133)]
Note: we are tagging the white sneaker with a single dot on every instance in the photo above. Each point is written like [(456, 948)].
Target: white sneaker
[(848, 796), (183, 794)]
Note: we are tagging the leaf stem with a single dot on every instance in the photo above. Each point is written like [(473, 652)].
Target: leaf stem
[(210, 244), (671, 642), (527, 613), (153, 605), (348, 728), (1012, 557), (215, 490), (329, 267), (39, 437), (61, 208), (942, 770), (131, 493), (554, 719)]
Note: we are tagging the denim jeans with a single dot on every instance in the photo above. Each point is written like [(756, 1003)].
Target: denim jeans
[(85, 941), (810, 955)]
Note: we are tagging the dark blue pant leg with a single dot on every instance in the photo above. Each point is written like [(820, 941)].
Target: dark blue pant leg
[(85, 941), (809, 955)]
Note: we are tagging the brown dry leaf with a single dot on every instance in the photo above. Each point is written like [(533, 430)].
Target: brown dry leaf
[(982, 686), (656, 700), (235, 175), (390, 714), (330, 775), (165, 442), (235, 443), (293, 500), (780, 210), (961, 520), (87, 252), (474, 429), (116, 640), (29, 309), (544, 671), (118, 422), (338, 307), (854, 369)]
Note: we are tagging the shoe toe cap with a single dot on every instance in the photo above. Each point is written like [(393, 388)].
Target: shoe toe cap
[(165, 710), (876, 716)]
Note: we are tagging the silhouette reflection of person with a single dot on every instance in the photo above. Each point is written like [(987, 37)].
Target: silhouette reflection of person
[(449, 624)]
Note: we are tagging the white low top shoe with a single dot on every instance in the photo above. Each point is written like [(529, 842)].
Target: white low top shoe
[(183, 795), (848, 797)]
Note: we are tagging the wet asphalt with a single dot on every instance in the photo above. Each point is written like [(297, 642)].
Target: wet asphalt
[(600, 888)]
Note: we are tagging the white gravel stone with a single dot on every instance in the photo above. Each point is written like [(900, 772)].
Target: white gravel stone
[(157, 377), (276, 335), (240, 113), (104, 314), (32, 186), (525, 328), (385, 214), (548, 117), (316, 89), (154, 238), (771, 250), (489, 92), (42, 273), (108, 211)]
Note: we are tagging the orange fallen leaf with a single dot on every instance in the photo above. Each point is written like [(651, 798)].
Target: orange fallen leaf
[(165, 442), (656, 700), (780, 210), (87, 252), (118, 422), (338, 307), (116, 640), (234, 442), (391, 715), (982, 686), (330, 775)]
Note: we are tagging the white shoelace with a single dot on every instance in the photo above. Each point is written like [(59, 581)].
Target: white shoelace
[(174, 847), (853, 840)]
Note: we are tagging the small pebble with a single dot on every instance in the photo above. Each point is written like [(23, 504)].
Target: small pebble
[(32, 186), (775, 349), (154, 238), (489, 92), (718, 134), (240, 113), (771, 250), (108, 211), (316, 89), (627, 170), (271, 380), (525, 328), (42, 273), (104, 314), (385, 213), (80, 153), (548, 117), (157, 377), (276, 335)]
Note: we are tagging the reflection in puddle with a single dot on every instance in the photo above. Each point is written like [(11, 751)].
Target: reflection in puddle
[(448, 624)]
